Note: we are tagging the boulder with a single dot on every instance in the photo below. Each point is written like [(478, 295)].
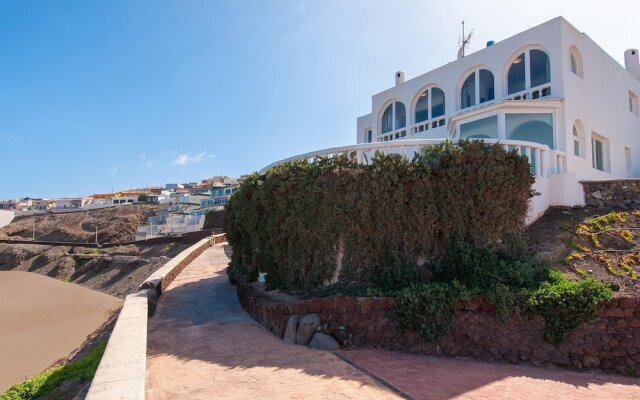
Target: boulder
[(342, 335), (322, 341), (306, 328), (292, 329)]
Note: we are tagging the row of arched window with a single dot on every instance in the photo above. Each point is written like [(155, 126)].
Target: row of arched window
[(530, 69)]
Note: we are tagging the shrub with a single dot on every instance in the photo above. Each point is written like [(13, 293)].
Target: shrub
[(290, 221), (427, 309), (396, 273), (46, 382), (482, 268), (214, 219), (565, 304)]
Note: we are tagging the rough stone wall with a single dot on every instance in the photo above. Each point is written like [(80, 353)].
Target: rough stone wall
[(611, 342), (623, 193)]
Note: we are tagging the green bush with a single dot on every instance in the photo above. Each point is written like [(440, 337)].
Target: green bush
[(290, 221), (482, 268), (396, 273), (46, 382), (427, 309), (565, 304), (214, 219)]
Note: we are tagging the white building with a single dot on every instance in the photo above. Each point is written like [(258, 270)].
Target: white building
[(550, 92)]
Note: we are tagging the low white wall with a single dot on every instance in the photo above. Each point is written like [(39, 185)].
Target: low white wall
[(6, 216), (121, 373), (538, 204)]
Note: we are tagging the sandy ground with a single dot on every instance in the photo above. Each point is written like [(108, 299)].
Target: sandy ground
[(42, 320)]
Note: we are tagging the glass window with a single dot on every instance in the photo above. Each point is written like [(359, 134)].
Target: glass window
[(468, 92), (387, 119), (515, 76), (486, 86), (422, 107), (369, 136), (401, 116), (576, 142), (485, 128), (598, 155), (437, 102), (574, 64), (539, 68), (537, 128)]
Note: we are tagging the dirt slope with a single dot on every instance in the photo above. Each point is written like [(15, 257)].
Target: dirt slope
[(114, 225)]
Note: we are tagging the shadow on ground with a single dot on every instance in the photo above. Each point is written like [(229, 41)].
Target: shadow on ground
[(201, 335)]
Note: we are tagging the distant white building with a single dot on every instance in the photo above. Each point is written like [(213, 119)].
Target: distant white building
[(550, 92)]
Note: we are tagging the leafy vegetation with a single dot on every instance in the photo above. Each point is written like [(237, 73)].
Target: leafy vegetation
[(565, 304), (291, 221), (46, 382)]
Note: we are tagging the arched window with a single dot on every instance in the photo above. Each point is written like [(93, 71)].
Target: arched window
[(486, 86), (401, 116), (430, 105), (468, 92), (387, 119), (477, 88), (575, 61), (437, 102), (422, 107), (579, 148), (394, 117), (539, 69)]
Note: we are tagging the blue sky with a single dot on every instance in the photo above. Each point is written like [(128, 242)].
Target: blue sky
[(96, 95)]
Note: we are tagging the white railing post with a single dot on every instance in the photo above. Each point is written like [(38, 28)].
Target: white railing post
[(538, 162)]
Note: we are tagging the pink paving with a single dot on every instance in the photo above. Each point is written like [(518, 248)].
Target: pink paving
[(433, 378), (202, 345)]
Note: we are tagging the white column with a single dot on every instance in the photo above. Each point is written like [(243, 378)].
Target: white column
[(538, 162)]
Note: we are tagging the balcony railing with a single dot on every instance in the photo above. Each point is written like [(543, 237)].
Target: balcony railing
[(544, 161)]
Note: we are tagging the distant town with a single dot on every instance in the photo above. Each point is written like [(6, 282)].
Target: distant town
[(181, 206)]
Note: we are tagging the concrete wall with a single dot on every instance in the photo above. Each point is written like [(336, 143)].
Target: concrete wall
[(611, 342)]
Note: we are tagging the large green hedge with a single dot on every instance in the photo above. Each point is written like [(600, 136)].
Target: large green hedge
[(290, 221)]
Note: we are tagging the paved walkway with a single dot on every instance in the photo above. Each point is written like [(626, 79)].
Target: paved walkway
[(435, 378), (202, 345)]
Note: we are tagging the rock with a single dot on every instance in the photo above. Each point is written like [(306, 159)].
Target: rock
[(322, 341), (292, 329), (590, 362), (306, 328), (342, 335), (597, 195)]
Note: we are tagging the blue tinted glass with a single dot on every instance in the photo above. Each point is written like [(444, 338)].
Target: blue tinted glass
[(468, 91), (422, 107), (481, 128), (437, 103), (515, 77), (486, 86), (401, 116), (387, 119), (539, 66)]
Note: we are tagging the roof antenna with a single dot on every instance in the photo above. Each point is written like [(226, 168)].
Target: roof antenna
[(464, 42)]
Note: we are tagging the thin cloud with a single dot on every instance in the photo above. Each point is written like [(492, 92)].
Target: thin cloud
[(185, 159)]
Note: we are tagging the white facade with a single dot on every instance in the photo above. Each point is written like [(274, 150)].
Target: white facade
[(577, 100), (550, 93)]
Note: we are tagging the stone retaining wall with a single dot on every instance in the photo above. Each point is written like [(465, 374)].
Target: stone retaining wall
[(610, 343), (622, 193)]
